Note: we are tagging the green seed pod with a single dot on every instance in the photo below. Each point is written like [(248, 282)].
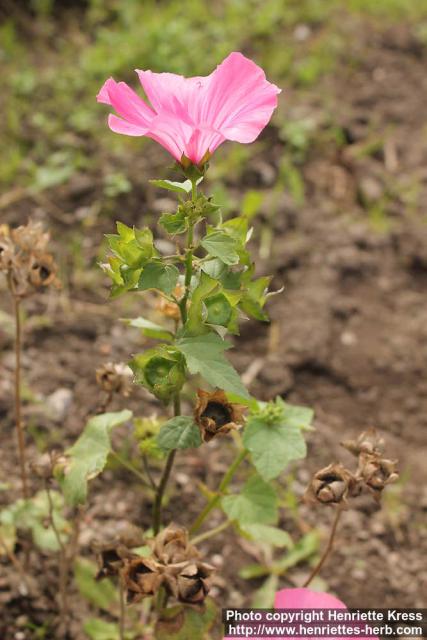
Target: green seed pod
[(219, 310), (161, 370)]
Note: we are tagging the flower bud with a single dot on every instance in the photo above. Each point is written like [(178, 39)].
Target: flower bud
[(219, 310), (215, 415)]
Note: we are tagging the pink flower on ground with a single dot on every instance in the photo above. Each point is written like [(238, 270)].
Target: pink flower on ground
[(191, 117), (305, 599)]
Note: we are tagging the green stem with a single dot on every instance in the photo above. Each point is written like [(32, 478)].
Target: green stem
[(214, 501), (129, 466), (157, 508), (188, 260), (212, 532)]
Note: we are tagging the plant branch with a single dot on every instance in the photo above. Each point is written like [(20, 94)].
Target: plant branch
[(129, 466), (214, 501), (328, 548), (212, 532), (157, 508), (63, 566), (18, 400)]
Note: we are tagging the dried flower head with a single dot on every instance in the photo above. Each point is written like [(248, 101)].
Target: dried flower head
[(331, 485), (110, 559), (376, 472), (368, 442), (215, 415), (25, 261), (189, 582), (172, 546), (114, 378), (141, 578)]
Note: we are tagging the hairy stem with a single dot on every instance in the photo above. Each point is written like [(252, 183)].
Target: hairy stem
[(18, 408), (214, 501), (328, 548)]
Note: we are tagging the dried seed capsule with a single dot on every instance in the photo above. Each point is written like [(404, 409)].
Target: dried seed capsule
[(331, 485), (376, 472), (368, 442), (215, 415), (171, 546), (114, 378), (192, 582), (141, 578)]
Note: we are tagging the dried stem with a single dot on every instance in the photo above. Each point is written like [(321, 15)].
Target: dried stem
[(328, 548), (63, 564), (14, 560), (122, 615), (18, 409)]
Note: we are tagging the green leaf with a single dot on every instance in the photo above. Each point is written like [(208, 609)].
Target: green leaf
[(174, 223), (205, 286), (8, 538), (205, 355), (180, 432), (98, 629), (178, 187), (88, 456), (303, 549), (264, 533), (221, 245), (214, 268), (186, 623), (149, 329), (264, 596), (156, 275), (101, 593), (256, 503), (274, 444)]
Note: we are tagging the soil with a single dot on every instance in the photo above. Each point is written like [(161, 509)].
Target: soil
[(348, 336)]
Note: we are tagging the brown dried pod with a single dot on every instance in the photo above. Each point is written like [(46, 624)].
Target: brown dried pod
[(43, 270), (189, 582), (141, 578), (376, 472), (331, 485), (110, 559), (170, 309), (114, 378), (172, 546), (215, 415), (368, 442), (30, 237), (7, 253)]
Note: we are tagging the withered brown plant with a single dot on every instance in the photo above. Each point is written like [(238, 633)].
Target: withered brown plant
[(28, 268), (334, 484)]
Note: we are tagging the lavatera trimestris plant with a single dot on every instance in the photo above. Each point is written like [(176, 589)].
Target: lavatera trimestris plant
[(204, 289)]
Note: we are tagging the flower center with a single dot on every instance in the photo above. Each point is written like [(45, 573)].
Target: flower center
[(217, 412)]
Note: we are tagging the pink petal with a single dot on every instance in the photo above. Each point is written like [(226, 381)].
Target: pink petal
[(126, 102), (306, 599), (173, 94), (122, 126), (239, 100)]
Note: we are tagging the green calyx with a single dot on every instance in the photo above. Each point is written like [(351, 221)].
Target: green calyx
[(219, 310), (161, 371)]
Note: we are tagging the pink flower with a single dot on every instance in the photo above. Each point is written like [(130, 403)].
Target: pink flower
[(193, 116), (304, 599)]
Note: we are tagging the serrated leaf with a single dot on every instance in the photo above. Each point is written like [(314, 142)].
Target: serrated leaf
[(88, 456), (205, 355), (264, 533), (101, 593), (174, 223), (185, 623), (177, 187), (180, 432), (149, 329), (156, 275), (273, 446), (256, 503), (221, 245)]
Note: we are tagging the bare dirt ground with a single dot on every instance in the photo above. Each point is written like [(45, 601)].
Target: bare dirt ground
[(348, 337)]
